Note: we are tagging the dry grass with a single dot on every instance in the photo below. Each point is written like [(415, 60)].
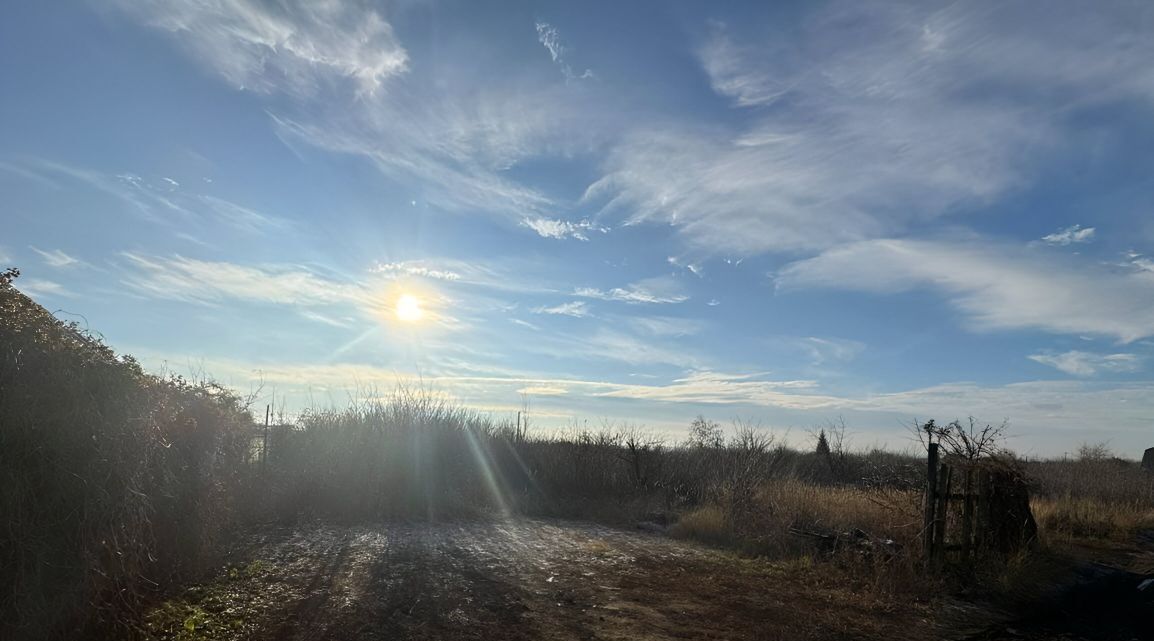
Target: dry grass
[(1080, 517), (784, 507), (1096, 497)]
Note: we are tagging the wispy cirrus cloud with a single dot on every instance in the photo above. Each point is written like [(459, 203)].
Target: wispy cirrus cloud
[(39, 287), (731, 73), (831, 350), (558, 229), (158, 201), (543, 390), (1079, 363), (295, 47), (663, 325), (213, 282), (415, 268), (449, 133), (720, 388), (550, 38), (1070, 235), (882, 117), (994, 286), (577, 309), (57, 259), (658, 290)]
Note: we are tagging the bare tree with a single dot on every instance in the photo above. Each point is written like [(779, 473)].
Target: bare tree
[(971, 441), (706, 433)]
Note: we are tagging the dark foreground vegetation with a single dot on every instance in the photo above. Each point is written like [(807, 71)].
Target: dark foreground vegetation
[(117, 486)]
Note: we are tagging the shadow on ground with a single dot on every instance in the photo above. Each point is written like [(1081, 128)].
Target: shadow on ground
[(521, 579)]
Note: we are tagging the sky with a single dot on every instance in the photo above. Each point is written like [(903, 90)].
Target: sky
[(779, 213)]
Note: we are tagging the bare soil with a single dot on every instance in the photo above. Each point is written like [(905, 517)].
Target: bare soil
[(520, 579)]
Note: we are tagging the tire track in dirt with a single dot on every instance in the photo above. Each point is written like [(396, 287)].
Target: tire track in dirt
[(530, 579)]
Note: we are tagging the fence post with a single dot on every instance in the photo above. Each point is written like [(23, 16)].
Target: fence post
[(945, 475), (982, 509), (931, 500), (264, 444), (967, 515)]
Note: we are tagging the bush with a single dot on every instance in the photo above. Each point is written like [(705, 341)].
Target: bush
[(112, 481)]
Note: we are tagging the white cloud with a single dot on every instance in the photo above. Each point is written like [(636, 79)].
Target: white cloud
[(831, 350), (609, 344), (450, 132), (995, 287), (693, 268), (162, 204), (1138, 262), (549, 38), (1070, 235), (575, 308), (206, 282), (543, 390), (883, 116), (296, 46), (715, 387), (1078, 363), (239, 216), (415, 268), (732, 75), (38, 287), (659, 290), (663, 325), (57, 258), (325, 319), (552, 228)]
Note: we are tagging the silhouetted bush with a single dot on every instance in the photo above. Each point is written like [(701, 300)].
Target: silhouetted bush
[(112, 481)]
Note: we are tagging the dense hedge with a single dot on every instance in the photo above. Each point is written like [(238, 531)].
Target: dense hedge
[(112, 481)]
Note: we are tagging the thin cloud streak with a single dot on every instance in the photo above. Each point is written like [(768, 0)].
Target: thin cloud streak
[(1079, 363), (57, 259), (996, 287)]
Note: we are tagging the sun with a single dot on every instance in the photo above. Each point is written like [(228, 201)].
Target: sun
[(409, 308)]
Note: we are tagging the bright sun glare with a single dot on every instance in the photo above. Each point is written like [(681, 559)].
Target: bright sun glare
[(409, 308)]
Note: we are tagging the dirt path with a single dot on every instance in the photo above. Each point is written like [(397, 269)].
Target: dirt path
[(525, 579)]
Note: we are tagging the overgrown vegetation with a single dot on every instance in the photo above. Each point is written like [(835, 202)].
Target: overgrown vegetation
[(1095, 495), (112, 481)]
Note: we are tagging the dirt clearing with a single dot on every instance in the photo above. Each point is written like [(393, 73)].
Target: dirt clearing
[(519, 579)]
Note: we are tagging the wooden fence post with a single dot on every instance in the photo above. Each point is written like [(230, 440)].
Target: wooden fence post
[(945, 475), (967, 515), (264, 444), (982, 509), (931, 500)]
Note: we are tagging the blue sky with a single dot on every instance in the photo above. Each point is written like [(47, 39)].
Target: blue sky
[(783, 213)]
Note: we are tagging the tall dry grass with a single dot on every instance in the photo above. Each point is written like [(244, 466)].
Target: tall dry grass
[(1093, 497), (413, 455)]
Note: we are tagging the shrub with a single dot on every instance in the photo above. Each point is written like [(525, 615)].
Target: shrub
[(112, 481)]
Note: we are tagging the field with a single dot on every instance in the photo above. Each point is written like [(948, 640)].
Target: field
[(152, 508)]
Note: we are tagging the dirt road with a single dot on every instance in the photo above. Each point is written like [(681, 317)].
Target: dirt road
[(521, 579)]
